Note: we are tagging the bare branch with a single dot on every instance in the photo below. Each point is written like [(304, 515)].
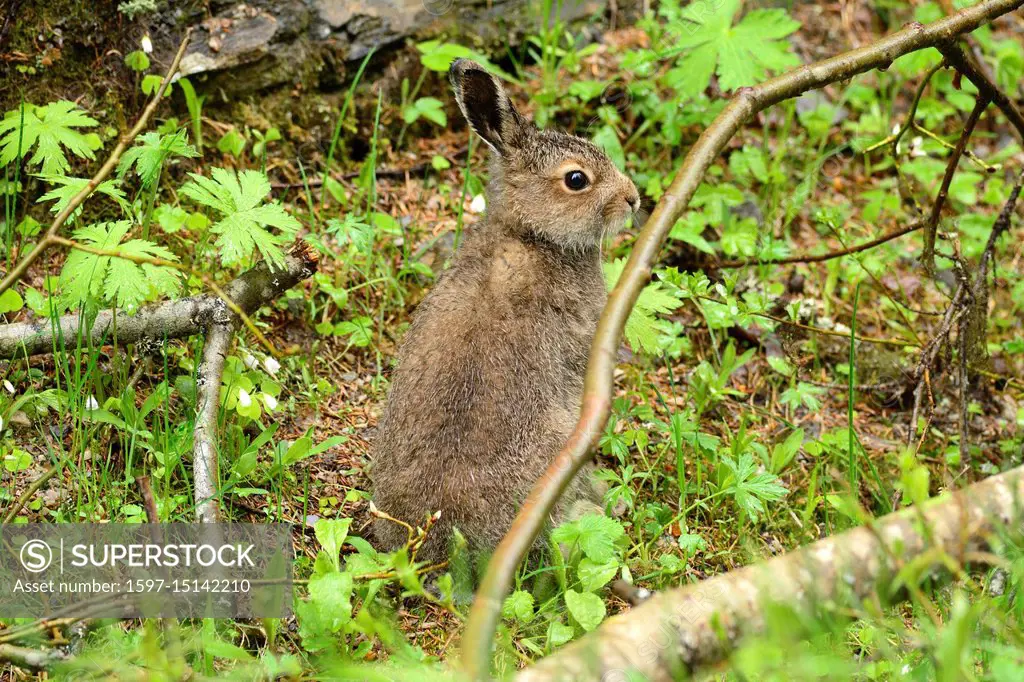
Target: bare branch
[(169, 320), (895, 234), (31, 659), (596, 405), (698, 625), (958, 60), (204, 445), (928, 257)]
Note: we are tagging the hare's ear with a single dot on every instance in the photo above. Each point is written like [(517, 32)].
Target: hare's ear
[(485, 105)]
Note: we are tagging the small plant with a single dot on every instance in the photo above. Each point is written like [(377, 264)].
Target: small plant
[(239, 199), (49, 129), (119, 281)]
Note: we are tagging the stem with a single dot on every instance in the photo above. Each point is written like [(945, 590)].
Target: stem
[(954, 159)]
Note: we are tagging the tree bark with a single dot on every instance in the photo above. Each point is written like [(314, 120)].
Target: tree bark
[(692, 627), (169, 320)]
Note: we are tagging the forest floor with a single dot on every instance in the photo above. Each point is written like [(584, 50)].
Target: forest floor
[(730, 440)]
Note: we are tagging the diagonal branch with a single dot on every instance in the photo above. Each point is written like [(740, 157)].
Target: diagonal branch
[(820, 258), (928, 257), (48, 239), (957, 59), (596, 405)]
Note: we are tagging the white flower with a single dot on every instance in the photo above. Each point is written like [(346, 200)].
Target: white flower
[(272, 365), (9, 386), (147, 44), (917, 147), (1, 423), (249, 361), (478, 205), (244, 399), (91, 403), (270, 401)]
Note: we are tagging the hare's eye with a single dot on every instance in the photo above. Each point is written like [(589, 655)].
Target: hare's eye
[(576, 180)]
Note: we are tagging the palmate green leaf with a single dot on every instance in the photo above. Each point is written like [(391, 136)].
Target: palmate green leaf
[(66, 188), (117, 280), (595, 534), (238, 198), (149, 155), (741, 55), (642, 327), (50, 129), (749, 488)]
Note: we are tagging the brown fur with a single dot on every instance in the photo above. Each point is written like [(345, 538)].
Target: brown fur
[(490, 373)]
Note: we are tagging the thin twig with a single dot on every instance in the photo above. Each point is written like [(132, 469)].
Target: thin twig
[(894, 139), (398, 173), (819, 330), (115, 156), (596, 405), (986, 86), (895, 234), (932, 226), (1001, 225), (20, 503)]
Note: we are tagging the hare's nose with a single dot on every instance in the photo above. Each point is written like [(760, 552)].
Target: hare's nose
[(634, 202)]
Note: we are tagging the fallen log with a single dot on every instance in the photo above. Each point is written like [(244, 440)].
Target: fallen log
[(175, 319), (689, 628)]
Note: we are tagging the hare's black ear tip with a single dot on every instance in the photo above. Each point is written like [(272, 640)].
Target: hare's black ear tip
[(457, 68), (460, 66)]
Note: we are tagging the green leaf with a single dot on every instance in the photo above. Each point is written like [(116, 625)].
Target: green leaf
[(123, 282), (137, 60), (749, 488), (593, 576), (586, 607), (152, 150), (741, 55), (232, 142), (438, 56), (359, 330), (331, 534), (66, 188), (559, 633), (608, 140), (518, 605), (429, 108), (48, 128), (329, 606), (642, 330), (595, 534), (220, 648), (151, 83), (11, 301), (238, 198)]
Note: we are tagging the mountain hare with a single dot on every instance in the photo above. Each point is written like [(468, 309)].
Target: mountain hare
[(490, 374)]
